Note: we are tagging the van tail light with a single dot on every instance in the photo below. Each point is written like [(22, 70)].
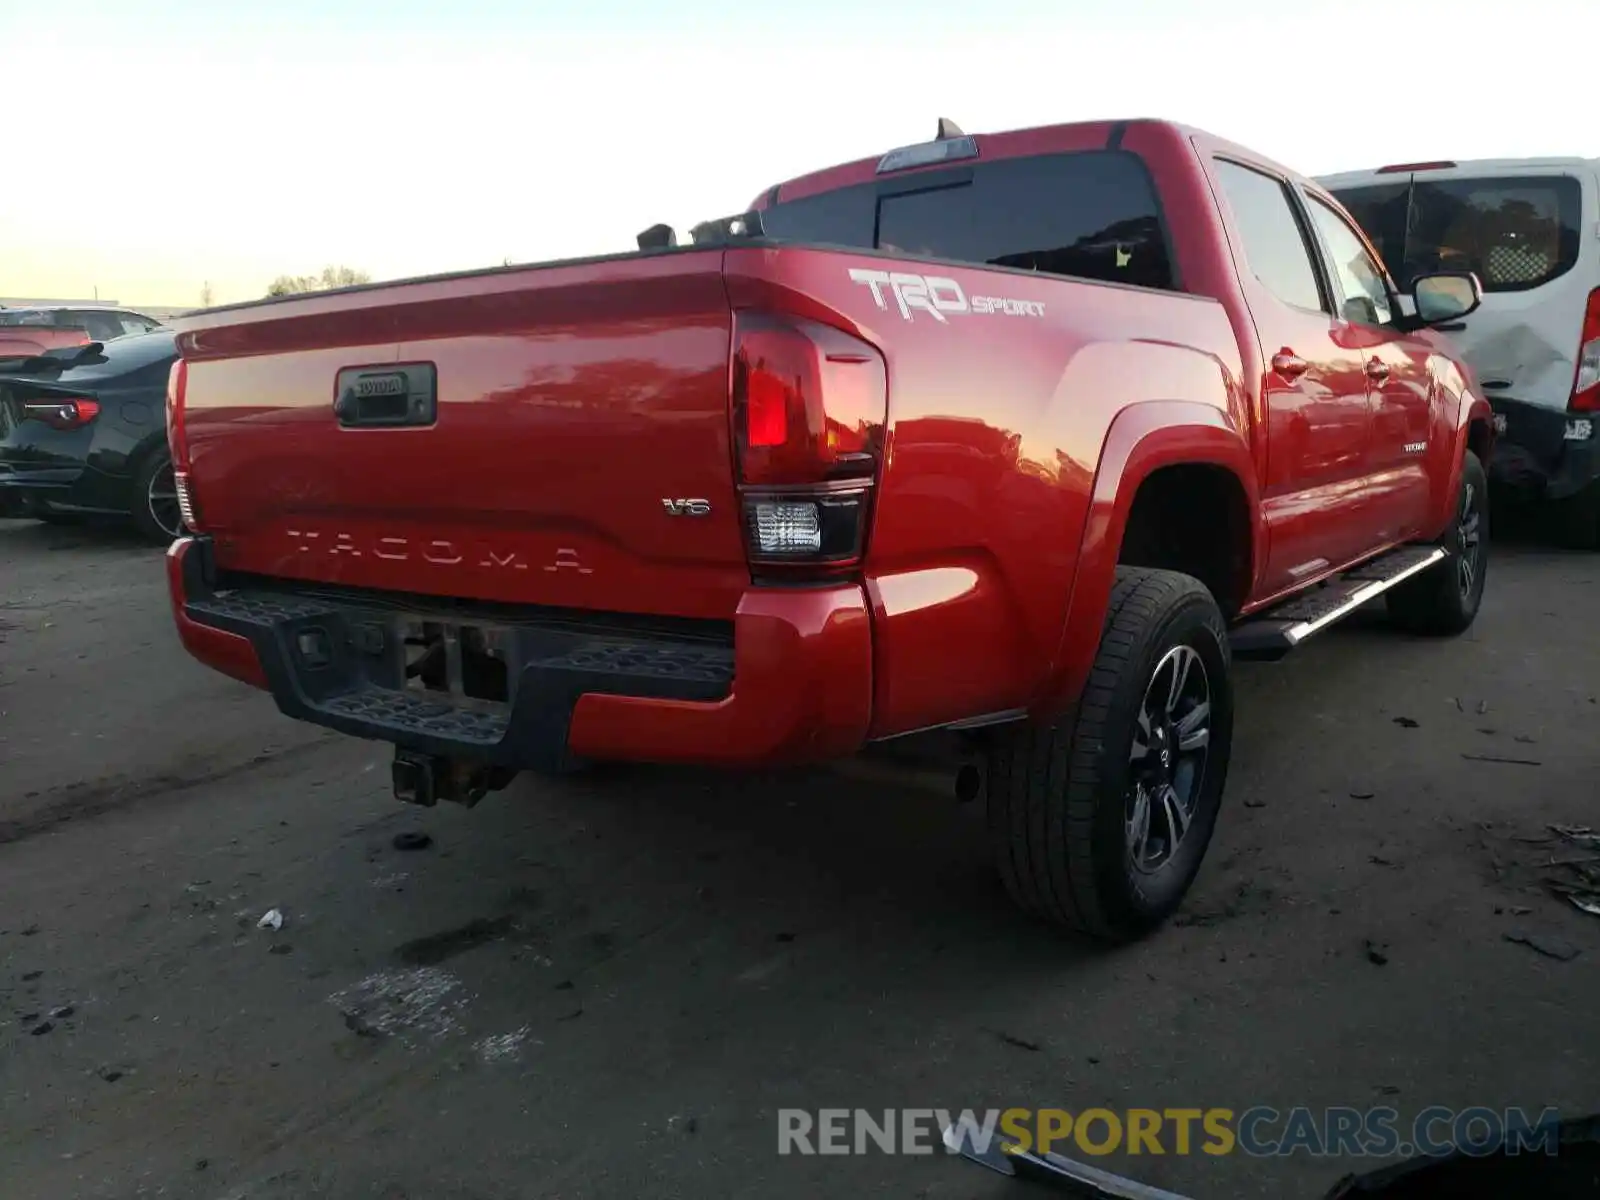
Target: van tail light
[(178, 442), (65, 413), (1586, 381), (810, 405)]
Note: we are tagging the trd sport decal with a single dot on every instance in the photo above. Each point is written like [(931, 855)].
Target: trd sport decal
[(937, 295)]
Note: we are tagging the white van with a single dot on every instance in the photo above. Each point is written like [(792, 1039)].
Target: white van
[(1530, 229)]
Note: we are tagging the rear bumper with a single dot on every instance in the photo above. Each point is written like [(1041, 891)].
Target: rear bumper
[(792, 684), (1548, 451), (25, 491)]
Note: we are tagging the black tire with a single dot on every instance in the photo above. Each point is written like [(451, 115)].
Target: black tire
[(1444, 600), (1060, 795), (1576, 519), (155, 475)]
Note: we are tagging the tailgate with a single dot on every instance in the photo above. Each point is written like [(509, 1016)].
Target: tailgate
[(522, 436)]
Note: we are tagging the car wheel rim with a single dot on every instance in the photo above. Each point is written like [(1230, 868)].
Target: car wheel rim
[(1469, 540), (161, 498), (1171, 747)]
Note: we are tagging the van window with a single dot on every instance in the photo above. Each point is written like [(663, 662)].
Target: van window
[(1514, 232), (1092, 215)]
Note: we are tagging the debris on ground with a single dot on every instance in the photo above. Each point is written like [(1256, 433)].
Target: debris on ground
[(412, 840), (358, 1025), (30, 976), (42, 1027), (281, 948), (1361, 792), (272, 919), (1550, 947), (110, 1074), (1012, 1039), (418, 1003), (502, 1046), (1580, 885), (1377, 952), (63, 1012), (1497, 758), (1578, 835), (1407, 723)]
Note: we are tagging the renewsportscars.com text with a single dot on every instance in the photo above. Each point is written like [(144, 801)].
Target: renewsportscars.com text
[(1260, 1131)]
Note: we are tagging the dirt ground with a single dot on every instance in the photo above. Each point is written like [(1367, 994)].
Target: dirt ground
[(608, 986)]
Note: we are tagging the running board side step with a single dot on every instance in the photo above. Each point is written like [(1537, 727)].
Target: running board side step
[(1278, 630)]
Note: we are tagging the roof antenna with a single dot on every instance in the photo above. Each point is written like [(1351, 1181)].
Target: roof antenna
[(948, 129)]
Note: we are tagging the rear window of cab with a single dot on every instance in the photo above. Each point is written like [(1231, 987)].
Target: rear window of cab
[(1092, 214)]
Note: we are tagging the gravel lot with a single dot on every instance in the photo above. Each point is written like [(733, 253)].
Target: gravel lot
[(606, 987)]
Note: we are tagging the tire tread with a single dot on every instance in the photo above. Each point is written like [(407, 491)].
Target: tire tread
[(1045, 779)]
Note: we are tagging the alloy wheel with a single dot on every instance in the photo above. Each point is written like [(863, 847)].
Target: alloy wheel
[(1167, 762), (1469, 541), (161, 498)]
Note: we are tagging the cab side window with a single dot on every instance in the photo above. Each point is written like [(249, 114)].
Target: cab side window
[(1363, 295), (1275, 246)]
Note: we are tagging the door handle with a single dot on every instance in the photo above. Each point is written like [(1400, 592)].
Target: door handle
[(1377, 369), (1289, 364)]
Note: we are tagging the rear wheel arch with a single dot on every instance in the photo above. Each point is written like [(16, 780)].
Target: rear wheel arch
[(1480, 438), (1194, 518), (1143, 441)]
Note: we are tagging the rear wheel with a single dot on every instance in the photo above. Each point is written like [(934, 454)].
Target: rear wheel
[(1099, 819), (1444, 600), (155, 501)]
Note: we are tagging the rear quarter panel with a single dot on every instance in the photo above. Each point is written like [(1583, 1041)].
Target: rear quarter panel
[(998, 422)]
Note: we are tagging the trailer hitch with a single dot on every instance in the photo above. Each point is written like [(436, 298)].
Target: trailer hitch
[(426, 779)]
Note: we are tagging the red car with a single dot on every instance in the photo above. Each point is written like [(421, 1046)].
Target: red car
[(1018, 437), (25, 341)]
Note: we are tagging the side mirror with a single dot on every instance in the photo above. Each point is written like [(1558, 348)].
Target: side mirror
[(1446, 296)]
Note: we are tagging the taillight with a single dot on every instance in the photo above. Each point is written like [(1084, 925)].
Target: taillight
[(1586, 381), (809, 407), (63, 412), (178, 443), (177, 385)]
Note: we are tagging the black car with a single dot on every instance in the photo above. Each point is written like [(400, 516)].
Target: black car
[(83, 433)]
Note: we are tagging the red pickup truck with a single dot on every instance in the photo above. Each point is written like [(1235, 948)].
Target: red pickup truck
[(1022, 437)]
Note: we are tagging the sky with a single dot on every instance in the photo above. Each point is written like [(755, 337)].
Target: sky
[(178, 144)]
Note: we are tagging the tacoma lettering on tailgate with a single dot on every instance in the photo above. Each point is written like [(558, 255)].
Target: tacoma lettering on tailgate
[(439, 551)]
